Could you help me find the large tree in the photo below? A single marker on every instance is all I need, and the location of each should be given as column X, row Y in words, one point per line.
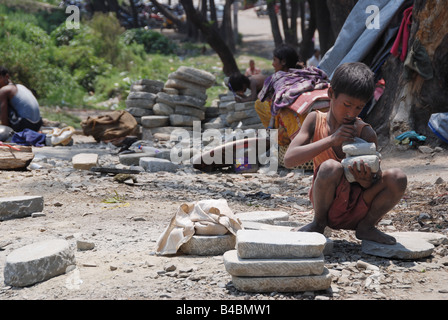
column 410, row 97
column 212, row 36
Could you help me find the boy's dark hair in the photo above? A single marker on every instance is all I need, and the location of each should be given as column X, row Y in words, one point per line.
column 288, row 54
column 354, row 79
column 3, row 71
column 237, row 82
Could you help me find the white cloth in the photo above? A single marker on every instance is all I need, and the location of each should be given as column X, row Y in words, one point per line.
column 205, row 217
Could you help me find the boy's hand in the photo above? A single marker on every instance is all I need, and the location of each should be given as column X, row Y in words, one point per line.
column 345, row 133
column 364, row 175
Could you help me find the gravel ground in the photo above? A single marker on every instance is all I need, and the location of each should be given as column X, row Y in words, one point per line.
column 124, row 221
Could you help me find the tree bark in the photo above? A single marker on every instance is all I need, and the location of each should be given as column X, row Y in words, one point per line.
column 409, row 99
column 278, row 40
column 181, row 26
column 212, row 37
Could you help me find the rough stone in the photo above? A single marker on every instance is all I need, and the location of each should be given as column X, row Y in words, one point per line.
column 155, row 164
column 197, row 76
column 162, row 109
column 359, row 147
column 147, row 85
column 139, row 103
column 283, row 284
column 182, row 84
column 19, row 207
column 272, row 267
column 182, row 120
column 147, row 96
column 155, row 121
column 85, row 161
column 373, row 161
column 38, row 262
column 173, row 100
column 140, row 112
column 133, row 159
column 202, row 245
column 408, row 246
column 252, row 244
column 263, row 216
column 190, row 111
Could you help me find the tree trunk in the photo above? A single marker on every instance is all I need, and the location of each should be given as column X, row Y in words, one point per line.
column 181, row 26
column 278, row 40
column 307, row 44
column 323, row 24
column 134, row 12
column 212, row 37
column 409, row 98
column 226, row 26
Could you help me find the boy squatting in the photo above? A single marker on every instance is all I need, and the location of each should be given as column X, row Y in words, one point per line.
column 337, row 203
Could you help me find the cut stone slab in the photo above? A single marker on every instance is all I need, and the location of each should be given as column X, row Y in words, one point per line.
column 154, row 164
column 263, row 216
column 140, row 103
column 133, row 159
column 19, row 207
column 85, row 161
column 431, row 237
column 182, row 120
column 260, row 244
column 38, row 262
column 140, row 112
column 409, row 246
column 209, row 245
column 283, row 284
column 155, row 121
column 162, row 109
column 272, row 267
column 253, row 225
column 147, row 85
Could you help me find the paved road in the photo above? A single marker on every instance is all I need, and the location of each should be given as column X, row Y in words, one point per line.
column 256, row 31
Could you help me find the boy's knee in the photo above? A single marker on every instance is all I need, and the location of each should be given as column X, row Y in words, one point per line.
column 330, row 169
column 397, row 178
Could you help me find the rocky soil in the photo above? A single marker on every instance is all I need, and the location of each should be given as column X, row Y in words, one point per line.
column 124, row 220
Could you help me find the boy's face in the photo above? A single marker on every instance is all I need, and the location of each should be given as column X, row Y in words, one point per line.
column 345, row 108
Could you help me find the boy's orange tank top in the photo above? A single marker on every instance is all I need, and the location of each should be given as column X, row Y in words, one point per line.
column 321, row 131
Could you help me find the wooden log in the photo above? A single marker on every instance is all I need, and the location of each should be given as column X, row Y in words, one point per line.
column 15, row 157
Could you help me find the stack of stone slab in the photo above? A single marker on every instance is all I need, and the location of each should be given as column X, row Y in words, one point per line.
column 234, row 114
column 184, row 96
column 142, row 98
column 278, row 261
column 243, row 116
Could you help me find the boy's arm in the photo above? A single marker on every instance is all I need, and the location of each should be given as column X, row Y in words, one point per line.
column 301, row 149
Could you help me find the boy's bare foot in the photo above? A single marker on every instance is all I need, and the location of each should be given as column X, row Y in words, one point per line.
column 373, row 234
column 311, row 227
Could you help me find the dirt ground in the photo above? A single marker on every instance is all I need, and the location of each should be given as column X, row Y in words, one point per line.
column 124, row 221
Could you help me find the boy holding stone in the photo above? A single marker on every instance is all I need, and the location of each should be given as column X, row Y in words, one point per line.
column 338, row 203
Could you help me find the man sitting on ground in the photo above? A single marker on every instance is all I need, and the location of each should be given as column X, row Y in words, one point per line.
column 19, row 108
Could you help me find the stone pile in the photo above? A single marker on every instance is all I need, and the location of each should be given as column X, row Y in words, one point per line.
column 184, row 96
column 234, row 114
column 278, row 261
column 142, row 98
